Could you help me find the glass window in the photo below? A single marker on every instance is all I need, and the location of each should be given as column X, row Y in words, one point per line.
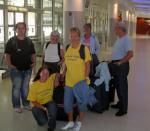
column 2, row 18
column 16, row 2
column 31, row 24
column 31, row 3
column 1, row 34
column 58, row 15
column 10, row 18
column 19, row 17
column 47, row 18
column 1, row 26
column 58, row 3
column 47, row 30
column 1, row 2
column 10, row 32
column 47, row 3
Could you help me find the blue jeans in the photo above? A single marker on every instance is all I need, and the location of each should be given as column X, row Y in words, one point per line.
column 81, row 99
column 20, row 86
column 42, row 118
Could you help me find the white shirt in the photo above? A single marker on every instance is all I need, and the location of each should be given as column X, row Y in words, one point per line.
column 51, row 53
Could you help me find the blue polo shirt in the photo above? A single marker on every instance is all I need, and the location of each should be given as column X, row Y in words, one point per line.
column 121, row 47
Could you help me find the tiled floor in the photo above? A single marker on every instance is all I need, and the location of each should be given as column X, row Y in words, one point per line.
column 137, row 119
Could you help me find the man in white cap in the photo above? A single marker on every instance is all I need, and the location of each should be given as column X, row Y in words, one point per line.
column 121, row 54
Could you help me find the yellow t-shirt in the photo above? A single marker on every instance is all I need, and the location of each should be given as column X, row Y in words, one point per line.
column 75, row 65
column 42, row 92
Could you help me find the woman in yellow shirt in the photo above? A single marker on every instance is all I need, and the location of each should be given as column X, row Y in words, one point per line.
column 77, row 69
column 41, row 96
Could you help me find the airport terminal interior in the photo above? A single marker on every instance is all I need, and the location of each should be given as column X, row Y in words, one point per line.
column 44, row 16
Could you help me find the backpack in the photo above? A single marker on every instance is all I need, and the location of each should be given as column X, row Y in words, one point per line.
column 58, row 45
column 15, row 45
column 81, row 51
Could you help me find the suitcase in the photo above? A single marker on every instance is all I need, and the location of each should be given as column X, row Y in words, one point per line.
column 111, row 91
column 58, row 97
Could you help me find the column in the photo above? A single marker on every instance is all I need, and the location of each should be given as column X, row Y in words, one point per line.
column 72, row 17
column 113, row 17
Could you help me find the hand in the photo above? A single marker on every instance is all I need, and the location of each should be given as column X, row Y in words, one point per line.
column 45, row 109
column 87, row 79
column 118, row 63
column 32, row 65
column 12, row 66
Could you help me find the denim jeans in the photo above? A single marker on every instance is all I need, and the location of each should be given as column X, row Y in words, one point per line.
column 20, row 86
column 42, row 118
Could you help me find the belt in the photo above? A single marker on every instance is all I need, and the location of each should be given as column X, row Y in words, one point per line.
column 113, row 61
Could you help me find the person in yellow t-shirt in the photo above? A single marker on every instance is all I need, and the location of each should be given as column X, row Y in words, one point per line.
column 77, row 69
column 41, row 96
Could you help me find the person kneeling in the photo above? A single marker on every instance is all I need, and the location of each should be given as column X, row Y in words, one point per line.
column 41, row 96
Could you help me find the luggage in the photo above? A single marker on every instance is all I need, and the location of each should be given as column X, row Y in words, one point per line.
column 58, row 97
column 102, row 98
column 111, row 85
column 111, row 91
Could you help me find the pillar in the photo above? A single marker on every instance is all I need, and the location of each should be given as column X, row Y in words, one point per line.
column 72, row 17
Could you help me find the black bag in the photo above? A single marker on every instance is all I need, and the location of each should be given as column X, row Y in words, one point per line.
column 58, row 97
column 111, row 91
column 102, row 98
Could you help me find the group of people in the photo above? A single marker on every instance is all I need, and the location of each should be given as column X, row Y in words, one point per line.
column 78, row 60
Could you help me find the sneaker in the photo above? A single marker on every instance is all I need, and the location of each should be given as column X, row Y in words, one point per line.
column 18, row 110
column 78, row 126
column 68, row 126
column 27, row 108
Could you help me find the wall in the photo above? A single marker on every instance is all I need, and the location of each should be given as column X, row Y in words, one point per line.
column 143, row 26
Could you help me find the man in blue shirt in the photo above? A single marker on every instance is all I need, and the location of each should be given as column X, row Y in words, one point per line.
column 119, row 67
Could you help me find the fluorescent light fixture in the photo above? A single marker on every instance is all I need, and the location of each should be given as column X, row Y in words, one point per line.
column 141, row 1
column 143, row 6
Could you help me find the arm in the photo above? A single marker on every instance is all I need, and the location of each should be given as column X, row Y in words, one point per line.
column 38, row 105
column 64, row 69
column 125, row 58
column 33, row 59
column 8, row 61
column 87, row 72
column 62, row 56
column 87, row 69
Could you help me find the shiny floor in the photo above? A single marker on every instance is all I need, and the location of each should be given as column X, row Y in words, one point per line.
column 137, row 119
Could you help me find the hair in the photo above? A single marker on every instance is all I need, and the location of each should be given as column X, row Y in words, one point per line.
column 20, row 23
column 87, row 25
column 75, row 29
column 55, row 33
column 37, row 76
column 122, row 25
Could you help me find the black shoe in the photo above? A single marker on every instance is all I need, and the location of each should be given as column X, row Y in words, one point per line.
column 116, row 106
column 120, row 113
column 48, row 129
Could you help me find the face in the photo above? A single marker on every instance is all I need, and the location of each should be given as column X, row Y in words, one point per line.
column 74, row 37
column 21, row 30
column 87, row 30
column 44, row 75
column 117, row 30
column 54, row 39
